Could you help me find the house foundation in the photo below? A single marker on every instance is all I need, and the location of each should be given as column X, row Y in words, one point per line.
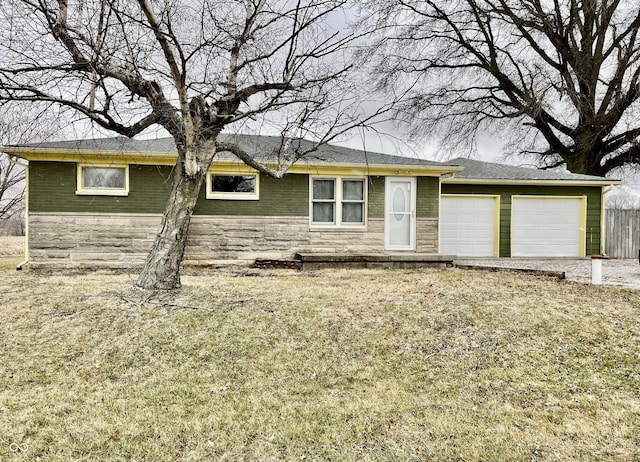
column 75, row 240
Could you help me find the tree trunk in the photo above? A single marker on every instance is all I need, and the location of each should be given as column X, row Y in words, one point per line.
column 586, row 158
column 161, row 270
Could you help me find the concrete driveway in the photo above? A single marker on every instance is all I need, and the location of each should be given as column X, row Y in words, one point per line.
column 622, row 273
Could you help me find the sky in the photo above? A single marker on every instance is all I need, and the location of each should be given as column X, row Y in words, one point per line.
column 487, row 147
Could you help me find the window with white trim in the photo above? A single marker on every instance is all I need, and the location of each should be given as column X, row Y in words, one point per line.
column 338, row 201
column 233, row 186
column 106, row 180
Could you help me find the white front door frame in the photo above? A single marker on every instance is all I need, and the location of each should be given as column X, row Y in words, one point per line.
column 400, row 213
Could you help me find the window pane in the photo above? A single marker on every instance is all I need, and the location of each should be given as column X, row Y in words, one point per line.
column 399, row 204
column 103, row 178
column 233, row 183
column 323, row 212
column 352, row 212
column 323, row 189
column 353, row 190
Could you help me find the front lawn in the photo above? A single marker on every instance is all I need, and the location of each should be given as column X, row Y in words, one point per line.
column 333, row 365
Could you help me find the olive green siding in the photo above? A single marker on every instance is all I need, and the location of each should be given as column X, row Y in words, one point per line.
column 428, row 197
column 592, row 193
column 375, row 197
column 286, row 197
column 52, row 188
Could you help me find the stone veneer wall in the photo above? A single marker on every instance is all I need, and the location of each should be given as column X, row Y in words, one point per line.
column 72, row 240
column 123, row 240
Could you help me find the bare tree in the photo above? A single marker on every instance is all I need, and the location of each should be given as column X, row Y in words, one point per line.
column 560, row 76
column 12, row 177
column 19, row 124
column 192, row 67
column 627, row 195
column 626, row 199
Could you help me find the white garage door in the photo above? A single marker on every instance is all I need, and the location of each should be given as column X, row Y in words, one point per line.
column 468, row 225
column 547, row 227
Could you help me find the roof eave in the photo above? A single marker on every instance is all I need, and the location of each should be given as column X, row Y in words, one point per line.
column 169, row 158
column 376, row 169
column 74, row 155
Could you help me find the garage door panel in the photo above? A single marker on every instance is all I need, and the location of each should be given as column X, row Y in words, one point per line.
column 546, row 227
column 467, row 226
column 486, row 234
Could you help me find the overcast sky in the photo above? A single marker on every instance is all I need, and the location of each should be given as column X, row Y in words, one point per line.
column 488, row 147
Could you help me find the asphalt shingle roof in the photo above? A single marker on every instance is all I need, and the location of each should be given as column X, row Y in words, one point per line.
column 480, row 170
column 263, row 147
column 266, row 147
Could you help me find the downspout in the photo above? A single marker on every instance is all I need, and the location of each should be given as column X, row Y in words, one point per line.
column 603, row 217
column 439, row 213
column 14, row 161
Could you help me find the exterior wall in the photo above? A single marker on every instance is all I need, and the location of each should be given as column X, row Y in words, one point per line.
column 52, row 188
column 592, row 193
column 123, row 240
column 66, row 229
column 71, row 239
column 427, row 235
column 375, row 196
column 428, row 197
column 239, row 238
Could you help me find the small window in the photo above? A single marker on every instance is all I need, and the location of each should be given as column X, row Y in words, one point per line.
column 336, row 201
column 103, row 180
column 236, row 187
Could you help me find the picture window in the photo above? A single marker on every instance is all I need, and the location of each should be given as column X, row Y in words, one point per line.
column 103, row 180
column 232, row 187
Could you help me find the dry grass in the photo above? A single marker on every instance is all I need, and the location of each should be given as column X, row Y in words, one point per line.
column 333, row 365
column 11, row 253
column 11, row 246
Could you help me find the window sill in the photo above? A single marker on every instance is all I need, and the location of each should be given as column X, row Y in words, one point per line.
column 354, row 227
column 101, row 192
column 232, row 197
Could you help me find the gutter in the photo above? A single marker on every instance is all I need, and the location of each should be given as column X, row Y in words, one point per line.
column 14, row 160
column 541, row 182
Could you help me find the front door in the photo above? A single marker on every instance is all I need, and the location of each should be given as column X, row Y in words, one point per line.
column 400, row 214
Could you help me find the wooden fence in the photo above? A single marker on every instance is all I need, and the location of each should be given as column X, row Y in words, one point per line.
column 623, row 233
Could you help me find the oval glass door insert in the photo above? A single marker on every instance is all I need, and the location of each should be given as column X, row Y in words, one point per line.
column 399, row 202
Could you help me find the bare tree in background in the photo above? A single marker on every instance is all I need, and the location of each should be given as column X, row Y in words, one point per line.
column 12, row 179
column 560, row 77
column 192, row 67
column 19, row 124
column 625, row 200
